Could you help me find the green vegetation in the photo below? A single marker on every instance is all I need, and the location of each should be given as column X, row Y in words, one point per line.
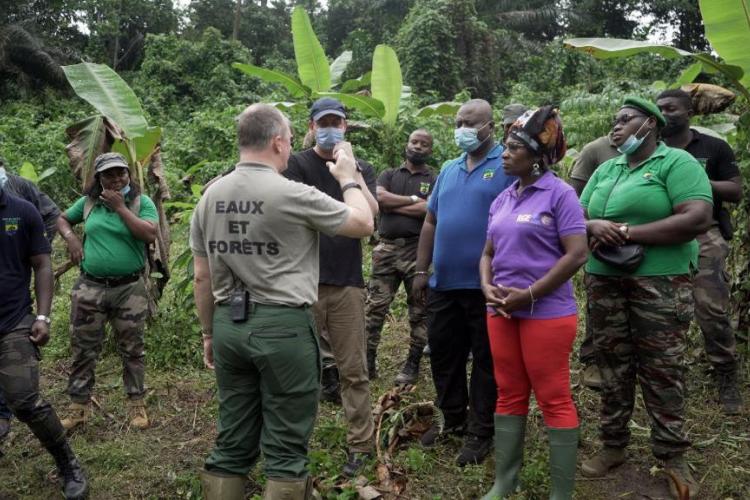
column 398, row 65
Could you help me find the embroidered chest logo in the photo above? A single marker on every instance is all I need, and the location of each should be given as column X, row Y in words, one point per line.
column 546, row 220
column 11, row 225
column 524, row 218
column 488, row 174
column 648, row 176
column 424, row 187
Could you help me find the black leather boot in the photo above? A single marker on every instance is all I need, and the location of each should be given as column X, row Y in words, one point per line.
column 75, row 485
column 410, row 371
column 330, row 389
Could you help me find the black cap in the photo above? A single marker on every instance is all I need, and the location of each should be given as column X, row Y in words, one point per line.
column 326, row 106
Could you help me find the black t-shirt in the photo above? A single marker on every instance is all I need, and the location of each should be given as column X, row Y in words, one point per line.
column 340, row 257
column 27, row 190
column 21, row 237
column 402, row 182
column 717, row 158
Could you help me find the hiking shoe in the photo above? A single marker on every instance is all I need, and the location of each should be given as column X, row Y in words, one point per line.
column 604, row 461
column 137, row 414
column 78, row 414
column 592, row 377
column 729, row 393
column 434, row 434
column 680, row 478
column 474, row 450
column 4, row 427
column 355, row 460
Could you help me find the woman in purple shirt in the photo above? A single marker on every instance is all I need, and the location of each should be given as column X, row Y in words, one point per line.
column 536, row 241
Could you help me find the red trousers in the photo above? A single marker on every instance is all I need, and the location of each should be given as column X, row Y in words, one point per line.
column 534, row 354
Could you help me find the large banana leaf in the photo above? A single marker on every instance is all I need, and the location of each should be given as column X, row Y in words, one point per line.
column 338, row 66
column 355, row 84
column 387, row 81
column 89, row 138
column 312, row 64
column 727, row 25
column 367, row 105
column 605, row 48
column 101, row 87
column 144, row 146
column 292, row 85
column 447, row 108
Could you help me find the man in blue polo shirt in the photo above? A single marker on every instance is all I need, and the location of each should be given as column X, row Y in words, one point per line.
column 23, row 247
column 452, row 239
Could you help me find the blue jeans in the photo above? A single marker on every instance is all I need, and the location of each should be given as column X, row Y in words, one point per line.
column 4, row 410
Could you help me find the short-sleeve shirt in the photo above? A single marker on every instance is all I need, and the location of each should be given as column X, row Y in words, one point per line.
column 24, row 188
column 402, row 181
column 645, row 194
column 717, row 157
column 109, row 247
column 259, row 231
column 340, row 256
column 460, row 203
column 592, row 155
column 526, row 232
column 21, row 237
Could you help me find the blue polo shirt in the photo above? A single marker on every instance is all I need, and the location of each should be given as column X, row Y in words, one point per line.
column 460, row 202
column 21, row 237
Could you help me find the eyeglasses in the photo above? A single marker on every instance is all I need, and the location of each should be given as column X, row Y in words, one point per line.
column 625, row 119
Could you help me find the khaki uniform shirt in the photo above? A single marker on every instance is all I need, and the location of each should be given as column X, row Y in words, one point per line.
column 259, row 231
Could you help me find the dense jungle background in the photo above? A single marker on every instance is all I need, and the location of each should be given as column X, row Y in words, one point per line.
column 178, row 59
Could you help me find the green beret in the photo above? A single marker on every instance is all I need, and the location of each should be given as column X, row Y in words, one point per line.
column 646, row 106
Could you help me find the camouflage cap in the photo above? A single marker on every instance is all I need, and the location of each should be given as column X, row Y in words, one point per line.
column 109, row 160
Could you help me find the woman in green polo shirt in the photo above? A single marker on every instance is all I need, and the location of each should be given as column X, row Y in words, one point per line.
column 659, row 198
column 118, row 222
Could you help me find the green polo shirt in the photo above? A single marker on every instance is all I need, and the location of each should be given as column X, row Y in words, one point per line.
column 644, row 194
column 109, row 248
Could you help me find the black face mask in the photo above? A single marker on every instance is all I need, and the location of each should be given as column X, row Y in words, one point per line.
column 416, row 158
column 674, row 126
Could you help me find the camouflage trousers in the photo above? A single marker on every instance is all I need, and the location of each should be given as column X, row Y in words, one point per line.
column 392, row 265
column 19, row 381
column 711, row 294
column 92, row 306
column 639, row 326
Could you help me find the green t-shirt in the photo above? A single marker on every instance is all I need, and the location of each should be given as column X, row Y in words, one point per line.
column 109, row 248
column 644, row 194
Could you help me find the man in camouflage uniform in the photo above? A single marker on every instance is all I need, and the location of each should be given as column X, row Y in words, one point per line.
column 402, row 194
column 23, row 247
column 712, row 281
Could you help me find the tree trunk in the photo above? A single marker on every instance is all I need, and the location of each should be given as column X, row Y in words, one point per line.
column 236, row 27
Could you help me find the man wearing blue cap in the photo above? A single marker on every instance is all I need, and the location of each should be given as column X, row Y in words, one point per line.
column 339, row 311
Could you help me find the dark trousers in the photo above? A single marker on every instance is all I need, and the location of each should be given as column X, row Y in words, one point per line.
column 19, row 381
column 4, row 410
column 456, row 326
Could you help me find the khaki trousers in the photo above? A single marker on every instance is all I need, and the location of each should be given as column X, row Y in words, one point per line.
column 339, row 315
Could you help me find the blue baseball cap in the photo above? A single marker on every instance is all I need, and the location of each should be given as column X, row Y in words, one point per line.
column 326, row 106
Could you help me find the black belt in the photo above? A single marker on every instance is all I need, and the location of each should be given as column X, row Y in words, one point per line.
column 401, row 242
column 112, row 280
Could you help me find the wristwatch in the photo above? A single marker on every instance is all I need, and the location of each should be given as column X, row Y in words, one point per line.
column 42, row 317
column 350, row 185
column 414, row 198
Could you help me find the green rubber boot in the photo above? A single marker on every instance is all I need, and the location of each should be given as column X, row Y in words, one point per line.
column 563, row 448
column 222, row 486
column 509, row 435
column 288, row 489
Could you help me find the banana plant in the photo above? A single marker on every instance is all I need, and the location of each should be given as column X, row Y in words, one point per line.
column 314, row 74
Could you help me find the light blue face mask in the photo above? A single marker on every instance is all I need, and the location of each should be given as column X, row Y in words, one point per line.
column 326, row 138
column 633, row 142
column 124, row 191
column 467, row 138
column 3, row 177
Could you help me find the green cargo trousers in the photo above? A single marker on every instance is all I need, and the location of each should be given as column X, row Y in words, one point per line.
column 268, row 375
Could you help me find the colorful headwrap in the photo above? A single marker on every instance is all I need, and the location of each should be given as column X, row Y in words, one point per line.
column 541, row 131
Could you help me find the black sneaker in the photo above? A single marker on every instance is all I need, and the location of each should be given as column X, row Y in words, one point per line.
column 474, row 450
column 434, row 434
column 355, row 460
